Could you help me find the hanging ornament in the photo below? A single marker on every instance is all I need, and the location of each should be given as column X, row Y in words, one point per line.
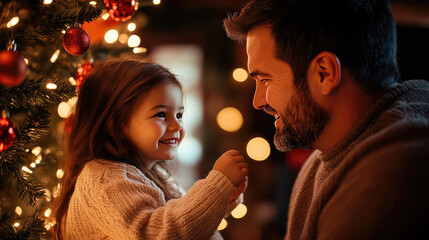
column 82, row 73
column 7, row 132
column 121, row 10
column 76, row 40
column 12, row 66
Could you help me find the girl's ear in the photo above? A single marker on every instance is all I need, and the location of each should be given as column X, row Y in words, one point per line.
column 326, row 70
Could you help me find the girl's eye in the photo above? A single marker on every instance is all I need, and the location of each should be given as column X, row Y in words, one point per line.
column 160, row 114
column 179, row 115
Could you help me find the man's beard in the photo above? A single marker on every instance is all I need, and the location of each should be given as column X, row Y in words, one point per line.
column 303, row 121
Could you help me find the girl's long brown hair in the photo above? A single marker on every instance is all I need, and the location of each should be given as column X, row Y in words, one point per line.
column 105, row 104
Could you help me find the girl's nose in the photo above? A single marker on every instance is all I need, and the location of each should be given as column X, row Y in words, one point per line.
column 175, row 125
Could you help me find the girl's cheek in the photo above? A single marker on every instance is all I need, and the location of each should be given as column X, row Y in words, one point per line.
column 182, row 134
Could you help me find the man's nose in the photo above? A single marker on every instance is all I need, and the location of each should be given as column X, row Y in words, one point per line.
column 259, row 98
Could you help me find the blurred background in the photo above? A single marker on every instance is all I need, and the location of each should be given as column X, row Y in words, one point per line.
column 187, row 37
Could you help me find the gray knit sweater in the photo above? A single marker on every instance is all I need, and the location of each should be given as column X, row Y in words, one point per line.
column 374, row 183
column 115, row 200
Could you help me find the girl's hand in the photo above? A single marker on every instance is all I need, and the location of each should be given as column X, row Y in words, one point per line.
column 233, row 165
column 240, row 189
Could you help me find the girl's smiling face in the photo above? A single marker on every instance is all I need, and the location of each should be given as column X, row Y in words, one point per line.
column 156, row 126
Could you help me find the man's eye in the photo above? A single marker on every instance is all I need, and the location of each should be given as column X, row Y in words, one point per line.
column 264, row 81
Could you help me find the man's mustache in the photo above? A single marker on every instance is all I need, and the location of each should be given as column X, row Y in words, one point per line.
column 268, row 109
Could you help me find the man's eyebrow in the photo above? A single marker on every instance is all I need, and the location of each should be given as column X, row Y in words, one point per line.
column 259, row 73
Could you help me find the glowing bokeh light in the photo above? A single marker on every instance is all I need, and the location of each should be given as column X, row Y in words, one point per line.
column 111, row 36
column 51, row 86
column 239, row 212
column 55, row 56
column 18, row 210
column 48, row 212
column 123, row 38
column 223, row 224
column 258, row 149
column 133, row 41
column 229, row 119
column 60, row 173
column 131, row 27
column 139, row 50
column 63, row 110
column 12, row 22
column 240, row 75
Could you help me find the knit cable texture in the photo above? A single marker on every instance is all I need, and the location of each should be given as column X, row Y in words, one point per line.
column 115, row 200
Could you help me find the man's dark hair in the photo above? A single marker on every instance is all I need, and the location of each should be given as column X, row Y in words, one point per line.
column 360, row 32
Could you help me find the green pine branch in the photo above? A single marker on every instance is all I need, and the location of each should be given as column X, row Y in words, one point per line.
column 33, row 92
column 52, row 27
column 14, row 158
column 32, row 229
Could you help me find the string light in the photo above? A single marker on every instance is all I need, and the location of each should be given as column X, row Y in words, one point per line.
column 32, row 165
column 93, row 3
column 60, row 173
column 55, row 56
column 48, row 195
column 56, row 191
column 156, row 2
column 38, row 159
column 12, row 22
column 18, row 210
column 48, row 212
column 26, row 61
column 47, row 2
column 16, row 224
column 105, row 16
column 26, row 169
column 111, row 36
column 36, row 151
column 51, row 86
column 72, row 81
column 131, row 27
column 63, row 110
column 133, row 41
column 139, row 50
column 258, row 149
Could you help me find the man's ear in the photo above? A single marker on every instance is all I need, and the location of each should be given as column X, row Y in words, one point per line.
column 327, row 70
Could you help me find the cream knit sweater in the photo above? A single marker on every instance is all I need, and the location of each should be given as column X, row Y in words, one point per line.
column 115, row 200
column 373, row 184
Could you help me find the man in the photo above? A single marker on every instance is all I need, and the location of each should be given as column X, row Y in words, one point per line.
column 327, row 72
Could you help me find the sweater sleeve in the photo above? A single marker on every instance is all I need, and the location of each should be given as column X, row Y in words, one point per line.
column 124, row 204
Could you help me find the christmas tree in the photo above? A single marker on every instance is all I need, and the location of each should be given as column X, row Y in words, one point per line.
column 41, row 47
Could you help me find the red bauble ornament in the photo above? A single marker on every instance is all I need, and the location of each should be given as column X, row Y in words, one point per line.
column 76, row 41
column 7, row 132
column 121, row 10
column 12, row 68
column 82, row 73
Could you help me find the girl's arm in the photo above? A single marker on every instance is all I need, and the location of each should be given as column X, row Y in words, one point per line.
column 123, row 204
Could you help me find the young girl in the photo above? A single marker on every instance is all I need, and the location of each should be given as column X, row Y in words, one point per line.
column 128, row 122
